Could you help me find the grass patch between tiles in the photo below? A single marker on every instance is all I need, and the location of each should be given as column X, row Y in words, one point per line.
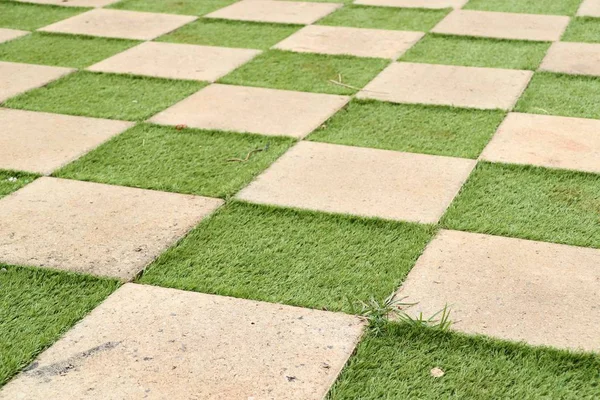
column 185, row 7
column 555, row 7
column 583, row 29
column 29, row 17
column 11, row 181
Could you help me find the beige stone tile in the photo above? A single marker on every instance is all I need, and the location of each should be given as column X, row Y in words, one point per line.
column 94, row 228
column 361, row 181
column 484, row 88
column 10, row 34
column 253, row 110
column 541, row 293
column 547, row 141
column 352, row 41
column 73, row 3
column 16, row 78
column 157, row 343
column 589, row 8
column 177, row 61
column 42, row 142
column 503, row 25
column 286, row 12
column 414, row 3
column 120, row 24
column 573, row 58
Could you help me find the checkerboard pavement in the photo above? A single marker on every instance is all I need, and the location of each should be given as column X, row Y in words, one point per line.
column 496, row 149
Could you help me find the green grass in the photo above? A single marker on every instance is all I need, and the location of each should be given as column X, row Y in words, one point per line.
column 240, row 34
column 37, row 306
column 33, row 16
column 561, row 94
column 11, row 181
column 477, row 52
column 110, row 96
column 183, row 161
column 288, row 256
column 185, row 7
column 557, row 7
column 396, row 365
column 530, row 203
column 65, row 50
column 414, row 128
column 583, row 29
column 406, row 19
column 306, row 72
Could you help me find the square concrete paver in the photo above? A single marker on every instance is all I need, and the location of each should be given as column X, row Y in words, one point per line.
column 352, row 41
column 16, row 78
column 485, row 88
column 573, row 58
column 589, row 8
column 285, row 12
column 73, row 3
column 253, row 110
column 157, row 343
column 541, row 293
column 361, row 181
column 547, row 141
column 10, row 34
column 415, row 3
column 176, row 61
column 94, row 228
column 120, row 24
column 42, row 142
column 503, row 25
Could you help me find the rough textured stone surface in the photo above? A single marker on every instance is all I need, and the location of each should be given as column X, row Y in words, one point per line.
column 541, row 293
column 73, row 3
column 120, row 24
column 589, row 8
column 177, row 61
column 503, row 25
column 547, row 141
column 41, row 142
column 352, row 41
column 573, row 58
column 93, row 228
column 253, row 110
column 287, row 12
column 485, row 88
column 10, row 34
column 16, row 78
column 361, row 181
column 156, row 343
column 415, row 3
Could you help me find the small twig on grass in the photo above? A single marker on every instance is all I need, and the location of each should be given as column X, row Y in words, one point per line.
column 249, row 154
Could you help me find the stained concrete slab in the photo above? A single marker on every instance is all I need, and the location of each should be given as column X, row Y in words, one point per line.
column 94, row 228
column 484, row 88
column 436, row 4
column 351, row 41
column 176, row 61
column 156, row 343
column 540, row 293
column 253, row 110
column 573, row 58
column 361, row 181
column 285, row 12
column 16, row 78
column 10, row 34
column 589, row 8
column 73, row 3
column 120, row 24
column 547, row 141
column 503, row 25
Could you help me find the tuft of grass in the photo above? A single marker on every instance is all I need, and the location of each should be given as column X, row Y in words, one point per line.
column 239, row 34
column 529, row 202
column 306, row 72
column 477, row 52
column 112, row 96
column 183, row 161
column 29, row 17
column 289, row 256
column 37, row 306
column 185, row 7
column 405, row 19
column 583, row 29
column 555, row 7
column 561, row 94
column 11, row 181
column 396, row 364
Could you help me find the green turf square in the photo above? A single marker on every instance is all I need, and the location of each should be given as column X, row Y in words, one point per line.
column 240, row 34
column 561, row 94
column 11, row 181
column 183, row 161
column 406, row 19
column 295, row 257
column 477, row 52
column 37, row 306
column 66, row 50
column 396, row 364
column 33, row 16
column 414, row 128
column 185, row 7
column 529, row 202
column 583, row 29
column 306, row 72
column 111, row 96
column 555, row 7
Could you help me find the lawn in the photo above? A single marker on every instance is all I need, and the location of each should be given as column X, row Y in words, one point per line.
column 557, row 7
column 11, row 181
column 33, row 16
